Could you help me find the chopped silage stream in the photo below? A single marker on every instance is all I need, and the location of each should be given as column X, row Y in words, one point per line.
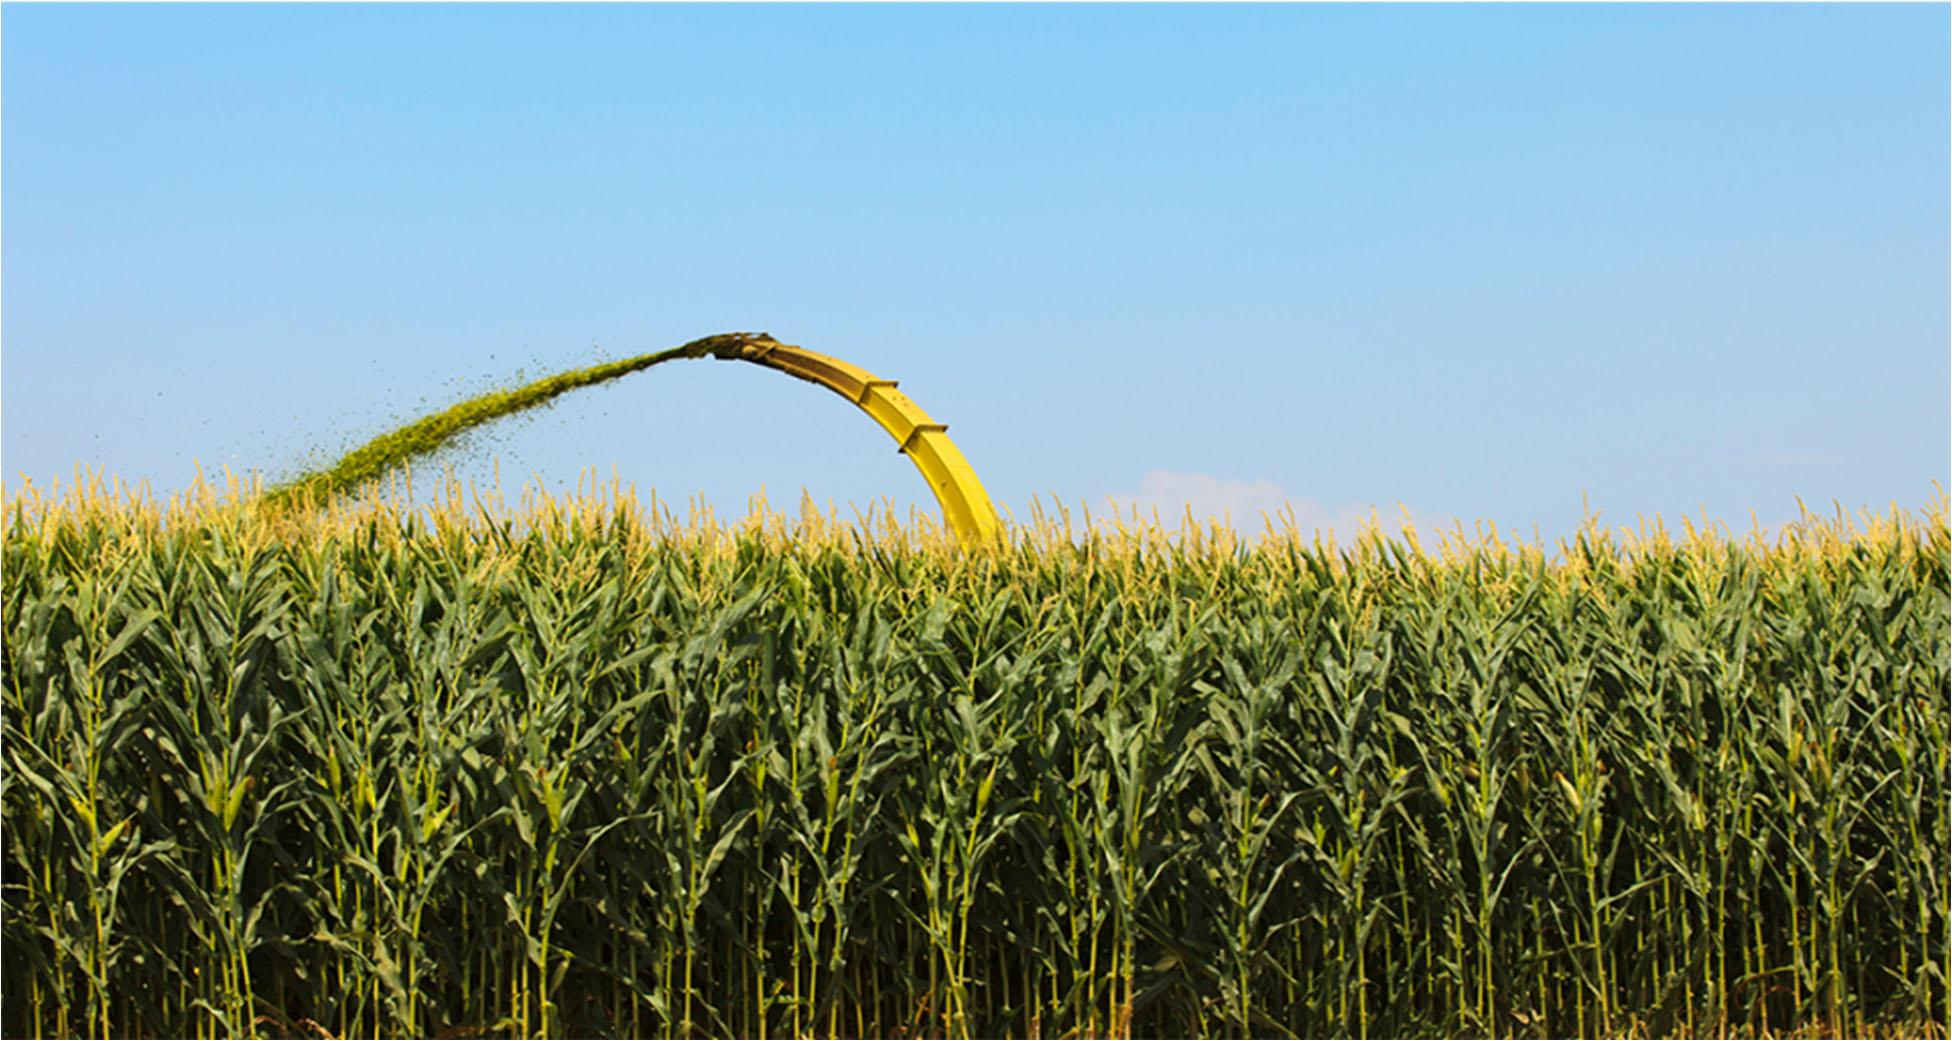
column 428, row 434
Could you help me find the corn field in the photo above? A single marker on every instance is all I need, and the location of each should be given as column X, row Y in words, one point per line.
column 577, row 768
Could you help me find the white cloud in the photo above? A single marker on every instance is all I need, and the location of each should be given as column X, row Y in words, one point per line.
column 1248, row 505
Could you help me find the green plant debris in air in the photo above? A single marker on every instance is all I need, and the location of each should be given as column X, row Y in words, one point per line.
column 427, row 434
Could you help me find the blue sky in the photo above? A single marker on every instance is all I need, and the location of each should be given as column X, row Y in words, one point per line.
column 1485, row 262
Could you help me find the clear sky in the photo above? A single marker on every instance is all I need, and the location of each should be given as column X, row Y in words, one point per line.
column 1482, row 261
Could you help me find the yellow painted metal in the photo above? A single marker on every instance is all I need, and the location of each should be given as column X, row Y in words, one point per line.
column 965, row 505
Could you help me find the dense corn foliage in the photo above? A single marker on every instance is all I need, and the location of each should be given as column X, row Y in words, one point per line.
column 575, row 769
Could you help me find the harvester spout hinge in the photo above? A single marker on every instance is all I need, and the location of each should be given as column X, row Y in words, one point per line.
column 732, row 346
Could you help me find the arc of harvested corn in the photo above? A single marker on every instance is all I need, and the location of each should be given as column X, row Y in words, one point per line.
column 965, row 505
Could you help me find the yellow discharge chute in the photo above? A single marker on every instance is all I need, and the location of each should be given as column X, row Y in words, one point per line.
column 965, row 505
